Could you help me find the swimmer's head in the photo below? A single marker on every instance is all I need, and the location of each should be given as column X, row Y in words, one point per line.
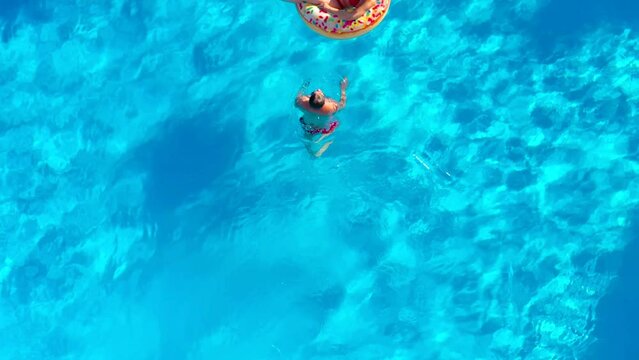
column 317, row 99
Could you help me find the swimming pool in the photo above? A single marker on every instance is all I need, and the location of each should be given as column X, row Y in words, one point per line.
column 479, row 200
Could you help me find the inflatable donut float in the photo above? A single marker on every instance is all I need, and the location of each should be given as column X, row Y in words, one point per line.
column 331, row 26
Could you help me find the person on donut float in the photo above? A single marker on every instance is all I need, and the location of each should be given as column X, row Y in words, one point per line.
column 342, row 19
column 344, row 9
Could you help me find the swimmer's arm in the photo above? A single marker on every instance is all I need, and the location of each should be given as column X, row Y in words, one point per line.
column 300, row 100
column 342, row 99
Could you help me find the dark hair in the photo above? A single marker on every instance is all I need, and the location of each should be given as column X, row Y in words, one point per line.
column 316, row 100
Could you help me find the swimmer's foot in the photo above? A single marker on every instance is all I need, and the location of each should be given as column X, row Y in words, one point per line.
column 322, row 149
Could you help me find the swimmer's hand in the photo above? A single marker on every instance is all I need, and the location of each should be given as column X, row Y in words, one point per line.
column 344, row 83
column 303, row 88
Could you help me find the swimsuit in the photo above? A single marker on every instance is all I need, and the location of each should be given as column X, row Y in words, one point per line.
column 345, row 4
column 312, row 130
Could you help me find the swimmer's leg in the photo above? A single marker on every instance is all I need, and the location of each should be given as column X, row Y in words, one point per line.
column 308, row 143
column 322, row 137
column 323, row 149
column 312, row 145
column 309, row 147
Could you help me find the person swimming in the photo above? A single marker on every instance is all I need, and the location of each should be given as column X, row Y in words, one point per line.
column 317, row 118
column 344, row 9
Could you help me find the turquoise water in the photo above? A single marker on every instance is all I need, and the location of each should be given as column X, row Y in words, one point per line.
column 480, row 200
